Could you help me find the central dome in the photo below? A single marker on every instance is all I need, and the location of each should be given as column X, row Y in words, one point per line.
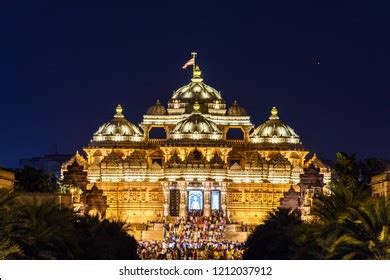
column 196, row 126
column 274, row 131
column 184, row 98
column 196, row 90
column 119, row 129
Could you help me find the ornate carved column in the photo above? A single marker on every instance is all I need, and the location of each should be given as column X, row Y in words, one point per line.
column 166, row 199
column 223, row 198
column 207, row 204
column 224, row 132
column 167, row 131
column 246, row 134
column 146, row 129
column 183, row 199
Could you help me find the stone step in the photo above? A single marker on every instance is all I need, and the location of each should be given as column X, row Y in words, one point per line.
column 149, row 235
column 230, row 227
column 158, row 226
column 239, row 236
column 233, row 233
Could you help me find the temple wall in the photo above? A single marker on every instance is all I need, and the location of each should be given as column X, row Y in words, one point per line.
column 142, row 202
column 250, row 203
column 133, row 202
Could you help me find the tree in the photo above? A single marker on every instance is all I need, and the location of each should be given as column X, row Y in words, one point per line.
column 275, row 239
column 104, row 239
column 350, row 189
column 8, row 249
column 43, row 230
column 30, row 179
column 306, row 245
column 32, row 229
column 365, row 232
column 354, row 174
column 329, row 211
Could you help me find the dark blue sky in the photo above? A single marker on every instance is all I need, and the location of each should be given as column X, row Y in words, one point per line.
column 65, row 65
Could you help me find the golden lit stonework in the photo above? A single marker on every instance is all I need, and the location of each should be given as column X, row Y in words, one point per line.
column 195, row 163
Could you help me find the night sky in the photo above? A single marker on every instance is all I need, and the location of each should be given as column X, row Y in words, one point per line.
column 65, row 65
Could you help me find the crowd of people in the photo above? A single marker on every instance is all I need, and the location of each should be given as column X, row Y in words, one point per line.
column 195, row 227
column 195, row 237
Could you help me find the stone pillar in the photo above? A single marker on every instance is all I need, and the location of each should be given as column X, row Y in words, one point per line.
column 246, row 134
column 167, row 132
column 146, row 129
column 166, row 199
column 183, row 199
column 207, row 201
column 224, row 199
column 224, row 132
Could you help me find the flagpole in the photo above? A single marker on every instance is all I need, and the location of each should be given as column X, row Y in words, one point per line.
column 193, row 65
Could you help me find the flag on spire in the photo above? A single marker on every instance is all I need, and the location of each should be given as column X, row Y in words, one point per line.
column 189, row 63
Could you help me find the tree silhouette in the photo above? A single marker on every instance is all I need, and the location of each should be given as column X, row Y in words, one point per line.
column 43, row 230
column 30, row 179
column 365, row 232
column 275, row 239
column 104, row 239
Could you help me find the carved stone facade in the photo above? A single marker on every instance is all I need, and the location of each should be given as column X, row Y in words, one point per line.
column 195, row 167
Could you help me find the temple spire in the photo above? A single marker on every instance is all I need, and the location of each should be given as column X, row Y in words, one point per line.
column 194, row 54
column 119, row 111
column 196, row 72
column 274, row 114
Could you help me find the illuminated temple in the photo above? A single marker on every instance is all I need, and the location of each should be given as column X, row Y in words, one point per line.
column 208, row 156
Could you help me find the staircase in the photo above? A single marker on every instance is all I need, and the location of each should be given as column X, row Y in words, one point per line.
column 232, row 233
column 154, row 232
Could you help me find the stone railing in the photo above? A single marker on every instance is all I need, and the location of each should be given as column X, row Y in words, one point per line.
column 157, row 141
column 235, row 141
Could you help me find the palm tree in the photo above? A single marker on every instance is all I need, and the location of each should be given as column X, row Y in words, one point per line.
column 275, row 239
column 124, row 246
column 7, row 248
column 104, row 239
column 329, row 211
column 30, row 179
column 94, row 245
column 43, row 230
column 365, row 232
column 348, row 190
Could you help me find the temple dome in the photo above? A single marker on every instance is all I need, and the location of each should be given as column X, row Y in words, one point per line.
column 236, row 110
column 156, row 109
column 274, row 131
column 119, row 129
column 196, row 126
column 196, row 90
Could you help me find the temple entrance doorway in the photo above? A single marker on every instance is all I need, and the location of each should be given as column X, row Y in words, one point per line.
column 195, row 201
column 215, row 200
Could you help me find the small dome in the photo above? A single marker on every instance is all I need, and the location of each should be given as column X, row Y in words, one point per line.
column 274, row 131
column 119, row 129
column 156, row 109
column 196, row 126
column 236, row 110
